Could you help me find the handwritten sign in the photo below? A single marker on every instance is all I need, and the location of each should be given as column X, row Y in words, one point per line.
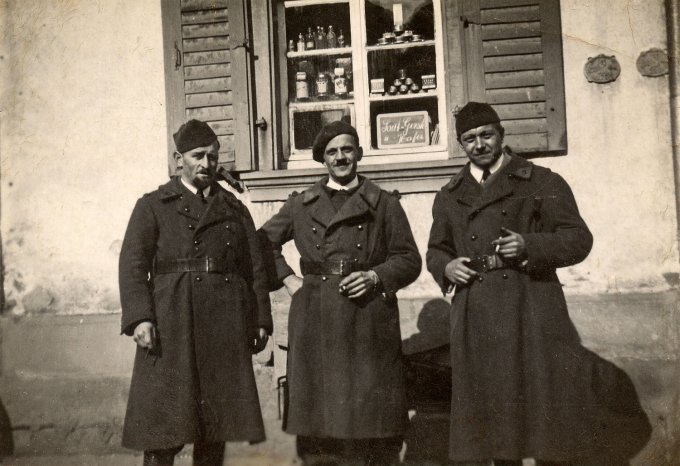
column 407, row 129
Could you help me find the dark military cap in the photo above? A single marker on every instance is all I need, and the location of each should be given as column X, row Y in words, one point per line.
column 475, row 114
column 193, row 134
column 328, row 132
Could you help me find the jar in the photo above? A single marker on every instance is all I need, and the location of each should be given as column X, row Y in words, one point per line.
column 322, row 85
column 301, row 86
column 340, row 82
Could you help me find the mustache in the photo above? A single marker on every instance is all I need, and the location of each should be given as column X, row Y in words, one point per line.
column 341, row 163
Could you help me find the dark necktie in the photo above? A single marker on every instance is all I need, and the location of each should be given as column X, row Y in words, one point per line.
column 200, row 195
column 485, row 175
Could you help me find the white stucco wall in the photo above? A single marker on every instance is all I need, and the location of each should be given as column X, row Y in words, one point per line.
column 82, row 135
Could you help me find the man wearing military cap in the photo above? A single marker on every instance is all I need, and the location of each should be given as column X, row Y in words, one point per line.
column 522, row 382
column 195, row 299
column 347, row 400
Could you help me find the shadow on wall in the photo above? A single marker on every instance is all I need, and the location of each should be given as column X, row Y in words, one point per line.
column 6, row 440
column 623, row 426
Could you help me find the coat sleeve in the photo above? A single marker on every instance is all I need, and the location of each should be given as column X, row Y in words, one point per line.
column 440, row 247
column 135, row 265
column 257, row 273
column 560, row 237
column 276, row 232
column 403, row 263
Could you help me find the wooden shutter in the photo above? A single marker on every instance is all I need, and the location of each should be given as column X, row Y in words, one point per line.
column 208, row 74
column 513, row 61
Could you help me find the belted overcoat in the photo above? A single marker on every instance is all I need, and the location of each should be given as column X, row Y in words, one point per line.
column 199, row 384
column 345, row 372
column 522, row 383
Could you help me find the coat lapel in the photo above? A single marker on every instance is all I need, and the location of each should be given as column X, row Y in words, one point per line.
column 219, row 209
column 320, row 207
column 174, row 189
column 502, row 186
column 359, row 204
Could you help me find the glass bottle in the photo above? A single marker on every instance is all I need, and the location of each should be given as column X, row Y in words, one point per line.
column 320, row 38
column 301, row 43
column 331, row 39
column 340, row 82
column 341, row 39
column 322, row 86
column 309, row 44
column 291, row 45
column 301, row 86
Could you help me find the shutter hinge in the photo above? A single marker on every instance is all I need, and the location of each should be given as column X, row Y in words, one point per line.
column 261, row 123
column 467, row 21
column 245, row 43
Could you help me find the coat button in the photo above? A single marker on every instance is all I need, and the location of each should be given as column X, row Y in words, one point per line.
column 504, row 212
column 317, row 246
column 314, row 229
column 198, row 279
column 360, row 227
column 480, row 278
column 473, row 237
column 186, row 209
column 324, row 278
column 228, row 243
column 505, row 276
column 197, row 241
column 191, row 227
column 227, row 227
column 358, row 245
column 226, row 279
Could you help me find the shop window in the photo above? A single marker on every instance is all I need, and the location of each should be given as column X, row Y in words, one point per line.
column 268, row 74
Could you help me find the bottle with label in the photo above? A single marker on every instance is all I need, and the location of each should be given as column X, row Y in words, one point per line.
column 291, row 45
column 341, row 39
column 301, row 43
column 320, row 38
column 301, row 86
column 340, row 83
column 322, row 86
column 309, row 40
column 331, row 39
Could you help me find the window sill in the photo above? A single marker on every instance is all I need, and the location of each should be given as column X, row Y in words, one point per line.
column 407, row 178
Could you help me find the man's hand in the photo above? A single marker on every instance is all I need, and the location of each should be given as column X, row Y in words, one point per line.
column 260, row 339
column 511, row 245
column 358, row 283
column 292, row 284
column 457, row 272
column 145, row 334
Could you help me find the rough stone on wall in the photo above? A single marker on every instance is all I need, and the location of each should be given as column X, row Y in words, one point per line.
column 38, row 300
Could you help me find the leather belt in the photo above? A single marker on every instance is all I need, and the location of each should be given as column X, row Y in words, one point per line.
column 203, row 264
column 486, row 263
column 338, row 267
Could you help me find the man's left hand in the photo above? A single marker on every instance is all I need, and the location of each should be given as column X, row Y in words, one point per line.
column 511, row 245
column 260, row 339
column 358, row 283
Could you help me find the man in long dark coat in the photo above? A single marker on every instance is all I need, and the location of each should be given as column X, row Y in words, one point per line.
column 347, row 399
column 521, row 380
column 195, row 299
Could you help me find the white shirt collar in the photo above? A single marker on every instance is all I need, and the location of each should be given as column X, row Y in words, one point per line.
column 477, row 172
column 339, row 187
column 193, row 188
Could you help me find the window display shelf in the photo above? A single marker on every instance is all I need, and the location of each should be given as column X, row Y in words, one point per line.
column 405, row 45
column 303, row 3
column 320, row 104
column 419, row 95
column 321, row 52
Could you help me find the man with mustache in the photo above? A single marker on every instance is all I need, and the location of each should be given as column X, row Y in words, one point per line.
column 522, row 383
column 347, row 400
column 195, row 299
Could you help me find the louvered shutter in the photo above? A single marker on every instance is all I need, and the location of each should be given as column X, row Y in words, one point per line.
column 208, row 74
column 513, row 52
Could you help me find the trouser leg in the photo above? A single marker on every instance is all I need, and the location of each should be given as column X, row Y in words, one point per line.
column 208, row 454
column 164, row 457
column 383, row 451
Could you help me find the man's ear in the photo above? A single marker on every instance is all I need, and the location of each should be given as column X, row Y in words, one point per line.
column 360, row 153
column 178, row 159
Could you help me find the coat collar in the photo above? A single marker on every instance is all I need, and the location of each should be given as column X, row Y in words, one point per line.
column 363, row 200
column 517, row 167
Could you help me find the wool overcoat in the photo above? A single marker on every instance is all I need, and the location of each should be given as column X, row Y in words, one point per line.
column 345, row 372
column 199, row 383
column 522, row 384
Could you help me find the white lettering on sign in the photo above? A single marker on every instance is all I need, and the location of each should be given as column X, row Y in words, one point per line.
column 409, row 129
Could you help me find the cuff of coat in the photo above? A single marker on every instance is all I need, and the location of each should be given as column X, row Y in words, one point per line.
column 437, row 267
column 129, row 329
